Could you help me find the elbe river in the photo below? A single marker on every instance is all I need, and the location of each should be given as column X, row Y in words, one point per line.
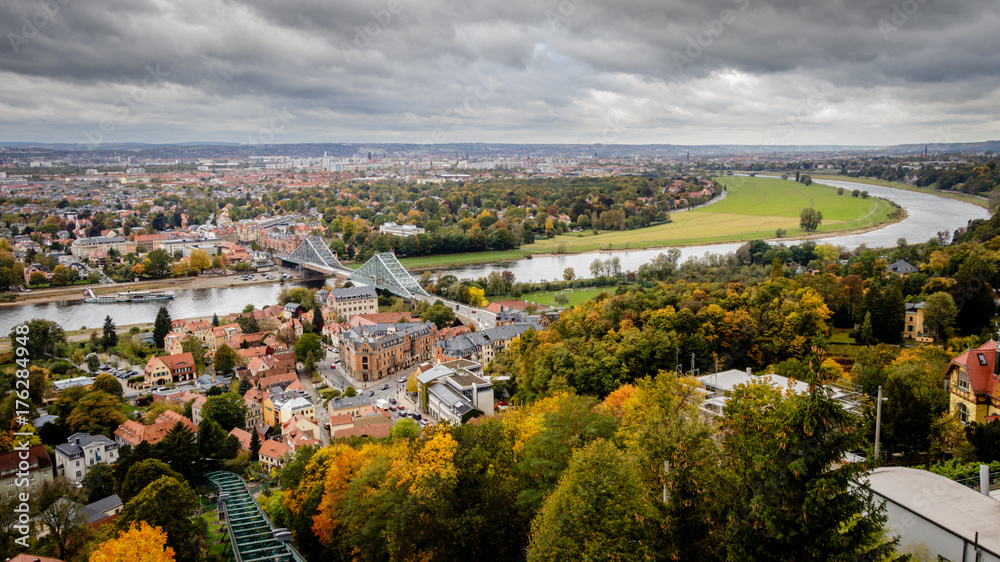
column 927, row 215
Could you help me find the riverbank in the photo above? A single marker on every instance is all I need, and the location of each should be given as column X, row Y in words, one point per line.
column 974, row 199
column 78, row 292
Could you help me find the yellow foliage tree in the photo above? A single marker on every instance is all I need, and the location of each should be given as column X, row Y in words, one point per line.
column 477, row 296
column 200, row 260
column 139, row 544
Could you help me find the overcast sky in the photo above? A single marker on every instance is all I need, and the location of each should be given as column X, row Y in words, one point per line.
column 868, row 72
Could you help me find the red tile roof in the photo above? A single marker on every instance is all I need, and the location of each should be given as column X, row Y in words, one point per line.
column 980, row 364
column 378, row 431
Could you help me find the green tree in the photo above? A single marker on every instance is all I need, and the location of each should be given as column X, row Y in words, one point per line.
column 867, row 335
column 60, row 275
column 916, row 401
column 211, row 440
column 940, row 313
column 442, row 316
column 227, row 409
column 810, row 219
column 179, row 450
column 225, row 359
column 244, row 387
column 157, row 264
column 110, row 339
column 793, row 497
column 193, row 345
column 254, row 445
column 107, row 383
column 161, row 326
column 597, row 511
column 309, row 343
column 99, row 482
column 41, row 338
column 215, row 320
column 142, row 474
column 168, row 503
column 350, row 392
column 405, row 428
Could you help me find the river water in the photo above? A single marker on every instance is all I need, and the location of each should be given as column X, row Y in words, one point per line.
column 927, row 214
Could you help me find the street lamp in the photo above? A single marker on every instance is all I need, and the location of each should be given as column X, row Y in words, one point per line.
column 878, row 421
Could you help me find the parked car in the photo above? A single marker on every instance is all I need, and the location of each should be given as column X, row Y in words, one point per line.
column 403, row 380
column 416, row 416
column 400, row 407
column 392, row 401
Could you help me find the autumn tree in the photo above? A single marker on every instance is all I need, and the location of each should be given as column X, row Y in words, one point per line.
column 60, row 510
column 199, row 260
column 140, row 543
column 597, row 511
column 97, row 413
column 193, row 345
column 107, row 383
column 167, row 503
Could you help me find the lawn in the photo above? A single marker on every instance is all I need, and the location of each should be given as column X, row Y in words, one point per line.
column 576, row 296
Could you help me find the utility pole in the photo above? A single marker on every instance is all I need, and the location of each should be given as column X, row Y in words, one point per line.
column 878, row 423
column 692, row 361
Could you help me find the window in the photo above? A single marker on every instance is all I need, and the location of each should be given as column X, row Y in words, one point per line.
column 77, row 473
column 963, row 413
column 982, row 358
column 963, row 380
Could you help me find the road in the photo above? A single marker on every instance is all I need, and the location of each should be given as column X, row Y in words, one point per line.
column 483, row 318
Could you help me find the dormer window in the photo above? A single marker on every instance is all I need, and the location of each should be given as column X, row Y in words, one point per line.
column 982, row 358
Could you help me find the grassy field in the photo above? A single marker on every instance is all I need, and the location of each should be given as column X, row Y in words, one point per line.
column 576, row 296
column 981, row 201
column 753, row 208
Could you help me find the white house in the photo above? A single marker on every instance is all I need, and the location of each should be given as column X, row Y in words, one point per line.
column 455, row 395
column 82, row 451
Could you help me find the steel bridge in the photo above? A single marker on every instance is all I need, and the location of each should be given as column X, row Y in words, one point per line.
column 382, row 271
column 251, row 535
column 385, row 272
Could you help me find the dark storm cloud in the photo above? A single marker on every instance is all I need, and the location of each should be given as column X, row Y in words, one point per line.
column 514, row 70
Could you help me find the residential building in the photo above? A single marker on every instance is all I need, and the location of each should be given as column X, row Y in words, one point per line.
column 937, row 514
column 36, row 268
column 354, row 406
column 454, row 395
column 295, row 405
column 254, row 399
column 378, row 431
column 351, row 301
column 62, row 385
column 272, row 454
column 132, row 432
column 222, row 335
column 972, row 380
column 99, row 246
column 718, row 387
column 15, row 479
column 370, row 353
column 481, row 346
column 81, row 452
column 901, row 267
column 400, row 229
column 914, row 323
column 170, row 369
column 102, row 511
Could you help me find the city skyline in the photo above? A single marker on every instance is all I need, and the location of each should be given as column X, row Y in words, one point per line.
column 575, row 71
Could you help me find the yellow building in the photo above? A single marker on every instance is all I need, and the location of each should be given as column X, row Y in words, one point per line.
column 972, row 383
column 914, row 323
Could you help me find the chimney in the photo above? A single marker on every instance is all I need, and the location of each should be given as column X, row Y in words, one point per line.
column 749, row 372
column 996, row 359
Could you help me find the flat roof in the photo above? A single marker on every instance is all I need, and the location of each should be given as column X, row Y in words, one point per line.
column 961, row 510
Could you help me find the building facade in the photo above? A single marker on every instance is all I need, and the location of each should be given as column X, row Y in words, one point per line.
column 972, row 383
column 81, row 452
column 371, row 353
column 351, row 301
